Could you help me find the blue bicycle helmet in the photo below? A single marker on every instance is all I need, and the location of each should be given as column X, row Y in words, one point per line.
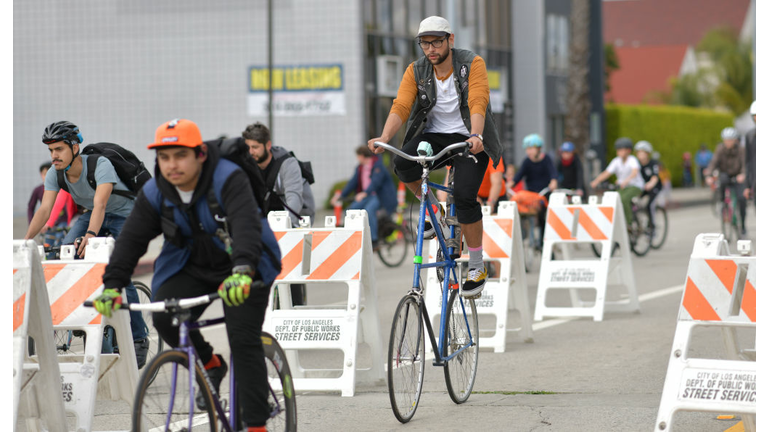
column 532, row 140
column 567, row 147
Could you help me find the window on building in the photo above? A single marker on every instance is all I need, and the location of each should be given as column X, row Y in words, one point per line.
column 557, row 44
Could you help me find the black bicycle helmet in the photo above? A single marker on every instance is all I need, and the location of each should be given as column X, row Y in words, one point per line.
column 623, row 143
column 62, row 131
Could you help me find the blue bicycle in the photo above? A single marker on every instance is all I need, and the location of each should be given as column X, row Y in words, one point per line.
column 456, row 348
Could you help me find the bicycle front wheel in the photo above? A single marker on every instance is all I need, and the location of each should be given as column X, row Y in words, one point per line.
column 394, row 247
column 661, row 228
column 165, row 398
column 405, row 360
column 282, row 397
column 460, row 339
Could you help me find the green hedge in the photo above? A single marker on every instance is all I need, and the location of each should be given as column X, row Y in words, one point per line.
column 672, row 130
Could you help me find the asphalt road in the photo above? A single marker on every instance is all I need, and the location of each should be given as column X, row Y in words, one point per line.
column 577, row 374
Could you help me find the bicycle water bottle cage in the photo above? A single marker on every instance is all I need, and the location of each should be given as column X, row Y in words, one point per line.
column 424, row 149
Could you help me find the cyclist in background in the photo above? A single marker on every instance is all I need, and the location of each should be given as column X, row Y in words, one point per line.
column 444, row 98
column 750, row 151
column 373, row 189
column 649, row 169
column 729, row 164
column 626, row 168
column 570, row 169
column 195, row 261
column 105, row 212
column 539, row 173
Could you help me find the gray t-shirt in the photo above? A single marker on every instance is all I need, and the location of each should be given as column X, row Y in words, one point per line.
column 82, row 192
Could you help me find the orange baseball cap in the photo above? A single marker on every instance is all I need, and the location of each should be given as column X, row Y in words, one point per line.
column 177, row 132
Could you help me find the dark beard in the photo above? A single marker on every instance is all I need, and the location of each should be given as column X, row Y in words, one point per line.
column 263, row 157
column 440, row 59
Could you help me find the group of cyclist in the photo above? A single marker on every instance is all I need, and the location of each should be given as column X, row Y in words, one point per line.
column 443, row 98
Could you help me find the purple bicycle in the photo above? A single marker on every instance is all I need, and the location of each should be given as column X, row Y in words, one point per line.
column 165, row 395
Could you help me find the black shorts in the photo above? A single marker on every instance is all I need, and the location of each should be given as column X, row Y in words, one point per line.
column 468, row 175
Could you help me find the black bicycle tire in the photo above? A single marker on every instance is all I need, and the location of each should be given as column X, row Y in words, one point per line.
column 402, row 242
column 141, row 286
column 643, row 232
column 275, row 354
column 420, row 350
column 170, row 356
column 456, row 397
column 660, row 212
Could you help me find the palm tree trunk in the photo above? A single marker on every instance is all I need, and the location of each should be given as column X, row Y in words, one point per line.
column 577, row 117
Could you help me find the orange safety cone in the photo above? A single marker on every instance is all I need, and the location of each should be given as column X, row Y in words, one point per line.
column 401, row 194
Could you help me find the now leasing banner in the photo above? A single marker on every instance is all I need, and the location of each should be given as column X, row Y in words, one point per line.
column 316, row 90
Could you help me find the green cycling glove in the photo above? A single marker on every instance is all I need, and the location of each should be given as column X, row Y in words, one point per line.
column 109, row 300
column 235, row 289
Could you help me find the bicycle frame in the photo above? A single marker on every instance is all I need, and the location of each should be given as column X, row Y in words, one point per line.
column 449, row 265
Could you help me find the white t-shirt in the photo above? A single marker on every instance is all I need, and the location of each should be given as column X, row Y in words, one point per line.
column 622, row 170
column 445, row 116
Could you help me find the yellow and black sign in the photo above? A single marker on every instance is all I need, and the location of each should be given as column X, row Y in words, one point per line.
column 494, row 79
column 297, row 78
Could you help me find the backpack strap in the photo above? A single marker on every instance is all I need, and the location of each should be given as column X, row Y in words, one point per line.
column 60, row 181
column 221, row 219
column 270, row 182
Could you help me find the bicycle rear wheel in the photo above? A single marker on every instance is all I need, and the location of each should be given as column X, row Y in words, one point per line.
column 405, row 359
column 393, row 248
column 460, row 371
column 640, row 235
column 164, row 397
column 282, row 398
column 661, row 228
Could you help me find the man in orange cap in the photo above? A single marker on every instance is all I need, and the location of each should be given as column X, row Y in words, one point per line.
column 197, row 256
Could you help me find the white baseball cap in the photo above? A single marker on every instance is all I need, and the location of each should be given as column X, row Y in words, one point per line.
column 434, row 26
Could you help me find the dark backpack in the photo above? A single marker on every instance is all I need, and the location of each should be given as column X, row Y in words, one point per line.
column 306, row 170
column 306, row 174
column 128, row 167
column 236, row 150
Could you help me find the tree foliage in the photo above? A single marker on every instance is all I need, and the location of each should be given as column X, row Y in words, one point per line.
column 726, row 83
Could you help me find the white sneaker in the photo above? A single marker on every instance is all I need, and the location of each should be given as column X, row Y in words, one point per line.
column 429, row 230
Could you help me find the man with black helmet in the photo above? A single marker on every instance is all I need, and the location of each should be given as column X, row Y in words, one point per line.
column 627, row 170
column 104, row 212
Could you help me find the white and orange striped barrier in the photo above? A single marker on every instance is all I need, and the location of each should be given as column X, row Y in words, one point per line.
column 720, row 292
column 89, row 375
column 36, row 389
column 574, row 223
column 506, row 288
column 317, row 256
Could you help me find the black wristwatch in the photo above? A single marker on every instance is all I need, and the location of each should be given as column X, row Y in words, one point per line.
column 477, row 135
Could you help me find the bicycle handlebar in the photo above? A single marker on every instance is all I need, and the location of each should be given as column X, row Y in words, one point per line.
column 423, row 159
column 174, row 304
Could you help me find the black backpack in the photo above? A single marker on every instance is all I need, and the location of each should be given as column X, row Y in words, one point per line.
column 306, row 174
column 306, row 170
column 236, row 150
column 128, row 167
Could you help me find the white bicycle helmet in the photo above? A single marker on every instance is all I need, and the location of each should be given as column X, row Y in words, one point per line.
column 753, row 108
column 644, row 146
column 729, row 133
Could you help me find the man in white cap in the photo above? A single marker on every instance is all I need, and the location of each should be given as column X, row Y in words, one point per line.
column 443, row 99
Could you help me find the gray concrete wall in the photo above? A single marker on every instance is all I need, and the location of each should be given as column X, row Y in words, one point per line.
column 119, row 69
